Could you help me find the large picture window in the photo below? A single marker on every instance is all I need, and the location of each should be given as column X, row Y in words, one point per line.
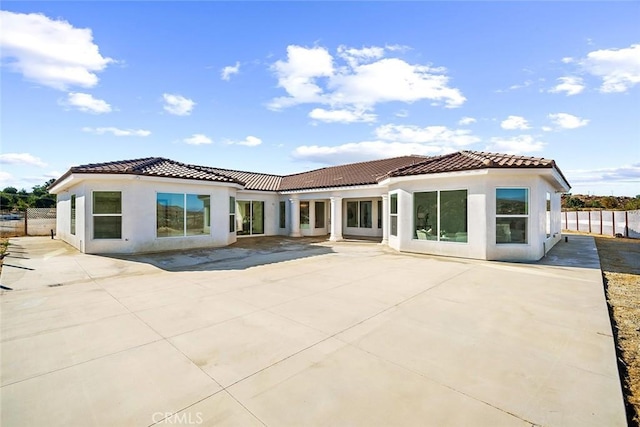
column 107, row 215
column 441, row 216
column 393, row 214
column 179, row 215
column 249, row 217
column 73, row 214
column 359, row 214
column 512, row 215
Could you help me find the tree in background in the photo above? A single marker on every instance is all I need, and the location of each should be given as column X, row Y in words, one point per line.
column 610, row 202
column 12, row 199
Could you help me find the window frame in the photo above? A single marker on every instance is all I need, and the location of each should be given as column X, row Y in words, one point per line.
column 95, row 215
column 440, row 234
column 185, row 218
column 316, row 205
column 282, row 214
column 548, row 215
column 526, row 217
column 73, row 218
column 359, row 213
column 305, row 214
column 393, row 214
column 232, row 214
column 250, row 224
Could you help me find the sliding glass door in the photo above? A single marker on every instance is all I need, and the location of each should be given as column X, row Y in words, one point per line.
column 250, row 217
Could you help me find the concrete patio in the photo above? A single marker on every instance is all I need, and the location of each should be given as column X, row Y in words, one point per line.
column 304, row 332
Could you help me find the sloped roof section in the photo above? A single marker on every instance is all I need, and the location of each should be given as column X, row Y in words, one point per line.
column 470, row 160
column 251, row 180
column 354, row 174
column 151, row 166
column 362, row 173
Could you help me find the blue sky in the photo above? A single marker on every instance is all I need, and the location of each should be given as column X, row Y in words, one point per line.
column 283, row 87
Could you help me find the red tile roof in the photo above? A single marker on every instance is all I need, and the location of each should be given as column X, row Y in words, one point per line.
column 362, row 173
column 151, row 166
column 251, row 180
column 470, row 160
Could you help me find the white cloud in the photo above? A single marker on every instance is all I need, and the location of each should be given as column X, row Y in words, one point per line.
column 570, row 85
column 50, row 52
column 23, row 159
column 466, row 121
column 520, row 86
column 117, row 132
column 87, row 103
column 390, row 140
column 249, row 141
column 516, row 145
column 354, row 57
column 402, row 113
column 567, row 121
column 297, row 75
column 625, row 173
column 197, row 139
column 433, row 135
column 514, row 122
column 229, row 70
column 618, row 68
column 547, row 128
column 358, row 79
column 341, row 116
column 567, row 60
column 178, row 104
column 362, row 151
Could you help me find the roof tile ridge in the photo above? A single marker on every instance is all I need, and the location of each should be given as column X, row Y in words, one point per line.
column 356, row 164
column 148, row 161
column 480, row 156
column 92, row 165
column 239, row 171
column 209, row 169
column 423, row 160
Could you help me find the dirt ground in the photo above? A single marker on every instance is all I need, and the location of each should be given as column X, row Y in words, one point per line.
column 620, row 262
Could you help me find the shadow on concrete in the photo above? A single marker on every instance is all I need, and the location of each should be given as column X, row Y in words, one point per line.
column 573, row 251
column 246, row 253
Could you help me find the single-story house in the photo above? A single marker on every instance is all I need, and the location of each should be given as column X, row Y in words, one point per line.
column 465, row 204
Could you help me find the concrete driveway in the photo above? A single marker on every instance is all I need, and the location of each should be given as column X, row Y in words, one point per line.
column 305, row 333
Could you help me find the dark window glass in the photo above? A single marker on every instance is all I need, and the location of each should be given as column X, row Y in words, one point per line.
column 319, row 210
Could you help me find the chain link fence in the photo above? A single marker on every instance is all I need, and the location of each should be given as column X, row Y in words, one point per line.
column 33, row 222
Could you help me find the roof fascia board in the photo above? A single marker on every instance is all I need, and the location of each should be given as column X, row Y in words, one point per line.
column 67, row 182
column 551, row 174
column 75, row 178
column 439, row 175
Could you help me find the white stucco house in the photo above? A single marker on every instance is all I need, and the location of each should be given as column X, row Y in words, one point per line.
column 466, row 204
